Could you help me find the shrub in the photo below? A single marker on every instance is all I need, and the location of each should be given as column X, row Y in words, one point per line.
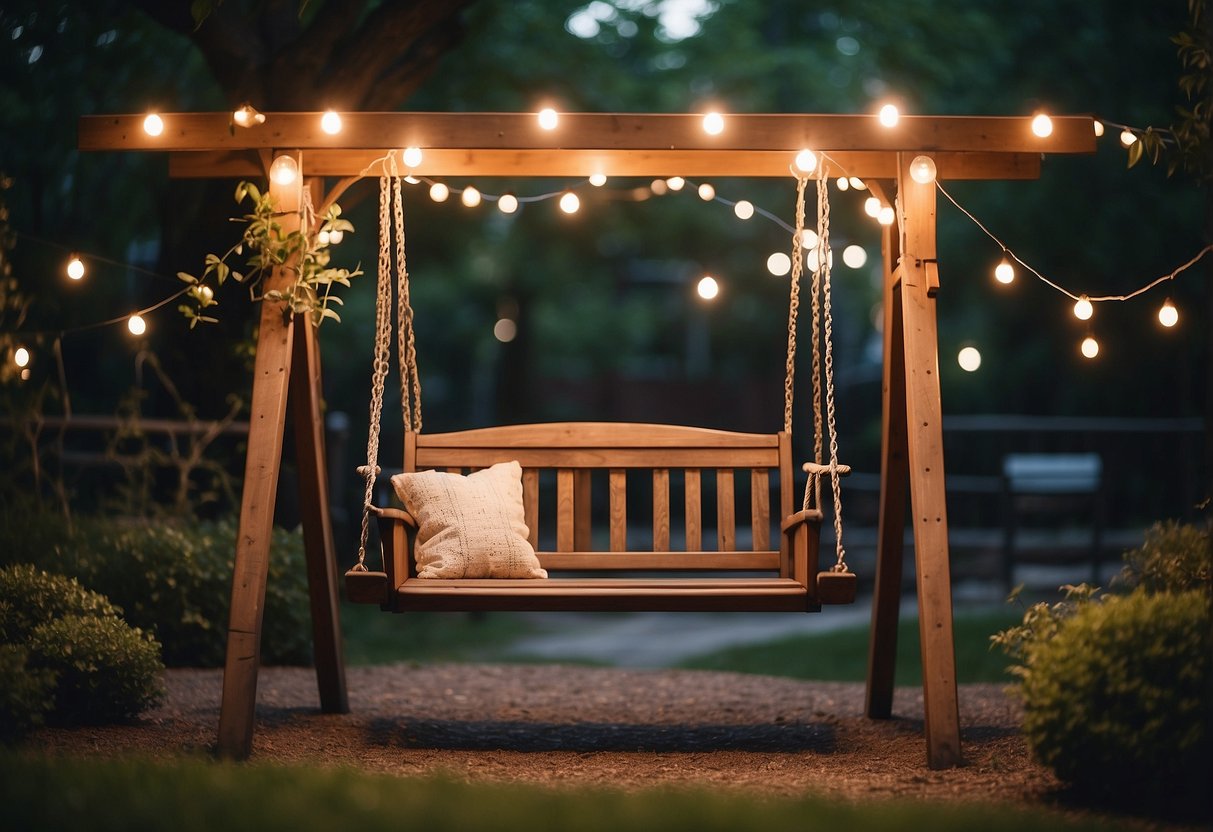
column 1116, row 702
column 1173, row 558
column 174, row 578
column 68, row 645
column 106, row 671
column 26, row 694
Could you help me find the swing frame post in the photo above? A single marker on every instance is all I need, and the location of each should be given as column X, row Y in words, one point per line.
column 620, row 145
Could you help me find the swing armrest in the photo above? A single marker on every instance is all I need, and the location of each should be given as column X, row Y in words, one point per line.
column 807, row 515
column 389, row 513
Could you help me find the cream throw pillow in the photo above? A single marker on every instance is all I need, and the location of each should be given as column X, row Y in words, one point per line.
column 469, row 527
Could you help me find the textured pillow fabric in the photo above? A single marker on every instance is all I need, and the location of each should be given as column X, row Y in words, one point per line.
column 469, row 527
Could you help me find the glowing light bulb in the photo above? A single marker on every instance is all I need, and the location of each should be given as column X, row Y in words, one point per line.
column 205, row 293
column 413, row 156
column 1083, row 310
column 1004, row 272
column 548, row 119
column 569, row 203
column 1098, row 125
column 779, row 264
column 507, row 204
column 136, row 325
column 713, row 124
column 922, row 170
column 439, row 192
column 744, row 209
column 1127, row 137
column 470, row 197
column 1042, row 125
column 1090, row 347
column 330, row 122
column 813, row 259
column 871, row 207
column 969, row 359
column 153, row 125
column 324, row 238
column 886, row 216
column 658, row 187
column 598, row 179
column 1168, row 315
column 676, row 183
column 706, row 192
column 336, row 236
column 75, row 267
column 842, row 184
column 707, row 287
column 806, row 160
column 21, row 356
column 808, row 239
column 855, row 256
column 246, row 116
column 284, row 170
column 889, row 115
column 857, row 183
column 505, row 330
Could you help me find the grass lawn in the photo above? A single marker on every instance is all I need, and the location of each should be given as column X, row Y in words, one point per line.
column 375, row 637
column 41, row 793
column 843, row 655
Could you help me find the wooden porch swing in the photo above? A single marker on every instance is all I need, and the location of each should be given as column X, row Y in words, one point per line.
column 620, row 145
column 784, row 578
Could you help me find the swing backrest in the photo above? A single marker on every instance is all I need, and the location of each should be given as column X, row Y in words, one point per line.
column 663, row 492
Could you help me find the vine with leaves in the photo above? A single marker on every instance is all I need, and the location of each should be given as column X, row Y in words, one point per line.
column 304, row 252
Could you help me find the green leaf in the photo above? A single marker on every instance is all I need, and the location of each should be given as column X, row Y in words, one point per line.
column 186, row 278
column 1135, row 151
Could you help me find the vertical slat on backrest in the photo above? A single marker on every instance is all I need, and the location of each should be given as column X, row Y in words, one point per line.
column 760, row 508
column 564, row 510
column 410, row 451
column 619, row 509
column 530, row 503
column 661, row 509
column 694, row 522
column 582, row 496
column 726, row 524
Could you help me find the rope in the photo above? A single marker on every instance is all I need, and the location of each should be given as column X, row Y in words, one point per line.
column 794, row 304
column 406, row 342
column 823, row 268
column 382, row 357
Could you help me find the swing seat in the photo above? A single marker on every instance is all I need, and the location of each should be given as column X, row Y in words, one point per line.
column 563, row 464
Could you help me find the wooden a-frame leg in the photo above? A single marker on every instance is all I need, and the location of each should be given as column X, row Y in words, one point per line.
column 924, row 441
column 890, row 537
column 267, row 418
column 317, row 525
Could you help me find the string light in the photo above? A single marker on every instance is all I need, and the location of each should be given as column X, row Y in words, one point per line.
column 1089, row 347
column 808, row 239
column 548, row 118
column 470, row 197
column 507, row 203
column 570, row 203
column 706, row 192
column 922, row 170
column 1127, row 137
column 676, row 183
column 713, row 124
column 1083, row 309
column 707, row 287
column 1042, row 126
column 871, row 207
column 969, row 359
column 135, row 324
column 1098, row 125
column 855, row 256
column 886, row 216
column 813, row 259
column 744, row 209
column 21, row 357
column 842, row 184
column 153, row 125
column 857, row 183
column 336, row 236
column 779, row 264
column 1168, row 315
column 412, row 156
column 889, row 115
column 598, row 179
column 285, row 170
column 330, row 122
column 505, row 330
column 806, row 160
column 658, row 187
column 75, row 267
column 1004, row 272
column 246, row 115
column 439, row 192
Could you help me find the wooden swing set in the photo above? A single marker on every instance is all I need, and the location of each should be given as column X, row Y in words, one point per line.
column 619, row 145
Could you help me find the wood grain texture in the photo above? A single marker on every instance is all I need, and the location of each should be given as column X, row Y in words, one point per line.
column 661, row 509
column 618, row 491
column 760, row 508
column 530, row 504
column 565, row 541
column 693, row 508
column 726, row 520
